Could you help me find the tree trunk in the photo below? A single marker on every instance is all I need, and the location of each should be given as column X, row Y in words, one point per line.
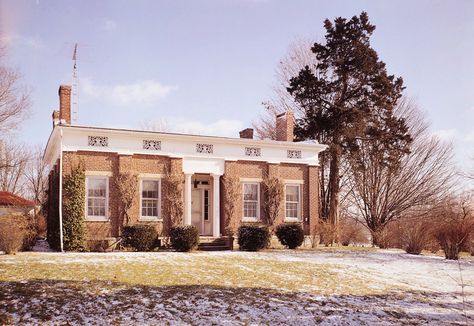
column 334, row 186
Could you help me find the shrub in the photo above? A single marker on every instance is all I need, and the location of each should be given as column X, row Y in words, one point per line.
column 290, row 235
column 452, row 237
column 74, row 227
column 140, row 237
column 29, row 226
column 41, row 225
column 454, row 225
column 184, row 238
column 12, row 234
column 351, row 232
column 327, row 232
column 253, row 237
column 415, row 236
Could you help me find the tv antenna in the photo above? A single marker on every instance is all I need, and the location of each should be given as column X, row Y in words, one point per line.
column 74, row 86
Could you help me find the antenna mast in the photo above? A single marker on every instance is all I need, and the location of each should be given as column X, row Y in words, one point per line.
column 74, row 85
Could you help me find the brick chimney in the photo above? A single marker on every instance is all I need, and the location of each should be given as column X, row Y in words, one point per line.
column 246, row 133
column 285, row 124
column 55, row 118
column 65, row 104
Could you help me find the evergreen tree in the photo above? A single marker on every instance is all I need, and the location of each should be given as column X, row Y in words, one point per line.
column 348, row 97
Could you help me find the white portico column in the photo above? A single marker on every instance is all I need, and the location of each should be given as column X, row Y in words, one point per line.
column 187, row 199
column 216, row 219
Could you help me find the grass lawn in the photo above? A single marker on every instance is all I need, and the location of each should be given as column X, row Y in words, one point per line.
column 272, row 287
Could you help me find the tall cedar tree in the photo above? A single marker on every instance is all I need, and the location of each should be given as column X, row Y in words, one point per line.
column 349, row 96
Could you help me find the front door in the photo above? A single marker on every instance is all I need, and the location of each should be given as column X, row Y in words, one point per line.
column 200, row 210
column 196, row 208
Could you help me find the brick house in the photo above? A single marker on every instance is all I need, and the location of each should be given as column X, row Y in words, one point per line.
column 202, row 161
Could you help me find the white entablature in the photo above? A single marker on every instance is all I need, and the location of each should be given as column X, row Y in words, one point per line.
column 129, row 142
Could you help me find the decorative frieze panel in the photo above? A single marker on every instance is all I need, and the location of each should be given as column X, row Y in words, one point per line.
column 205, row 148
column 252, row 151
column 293, row 153
column 98, row 141
column 154, row 145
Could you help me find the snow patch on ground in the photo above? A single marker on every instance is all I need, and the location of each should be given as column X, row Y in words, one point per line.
column 396, row 288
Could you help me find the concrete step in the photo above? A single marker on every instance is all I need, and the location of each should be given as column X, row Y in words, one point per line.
column 213, row 243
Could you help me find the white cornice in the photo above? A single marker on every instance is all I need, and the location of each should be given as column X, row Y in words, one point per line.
column 129, row 142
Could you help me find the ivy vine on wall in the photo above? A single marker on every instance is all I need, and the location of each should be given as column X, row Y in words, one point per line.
column 74, row 228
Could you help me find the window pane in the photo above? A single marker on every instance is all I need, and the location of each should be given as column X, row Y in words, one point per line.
column 292, row 210
column 292, row 193
column 150, row 188
column 250, row 192
column 250, row 209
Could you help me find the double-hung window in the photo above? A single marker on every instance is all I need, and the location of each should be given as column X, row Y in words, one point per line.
column 97, row 197
column 293, row 202
column 150, row 199
column 251, row 201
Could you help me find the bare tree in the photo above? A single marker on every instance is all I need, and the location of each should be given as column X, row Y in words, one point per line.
column 14, row 99
column 36, row 176
column 161, row 125
column 13, row 161
column 384, row 189
column 298, row 56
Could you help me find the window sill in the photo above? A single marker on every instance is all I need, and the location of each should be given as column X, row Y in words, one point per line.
column 97, row 219
column 250, row 220
column 293, row 220
column 150, row 219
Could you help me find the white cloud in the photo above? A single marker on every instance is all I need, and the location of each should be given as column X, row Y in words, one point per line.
column 142, row 93
column 223, row 127
column 21, row 40
column 109, row 25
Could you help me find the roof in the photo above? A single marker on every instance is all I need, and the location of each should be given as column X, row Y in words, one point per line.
column 9, row 199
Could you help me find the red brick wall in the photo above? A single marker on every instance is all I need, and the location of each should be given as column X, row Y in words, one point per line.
column 153, row 164
column 310, row 193
column 114, row 163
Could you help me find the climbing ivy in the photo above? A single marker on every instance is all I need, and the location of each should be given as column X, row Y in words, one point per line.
column 74, row 228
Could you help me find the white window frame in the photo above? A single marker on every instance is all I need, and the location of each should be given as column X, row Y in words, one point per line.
column 94, row 217
column 150, row 218
column 251, row 218
column 291, row 218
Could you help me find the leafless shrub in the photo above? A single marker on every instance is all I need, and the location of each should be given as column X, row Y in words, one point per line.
column 454, row 220
column 232, row 198
column 41, row 225
column 127, row 187
column 12, row 233
column 416, row 235
column 351, row 231
column 327, row 232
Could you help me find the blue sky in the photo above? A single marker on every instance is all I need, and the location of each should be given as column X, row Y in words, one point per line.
column 206, row 66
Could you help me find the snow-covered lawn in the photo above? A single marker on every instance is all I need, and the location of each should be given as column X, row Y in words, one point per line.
column 330, row 287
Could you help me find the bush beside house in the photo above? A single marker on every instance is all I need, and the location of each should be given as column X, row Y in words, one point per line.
column 253, row 237
column 140, row 237
column 184, row 237
column 291, row 235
